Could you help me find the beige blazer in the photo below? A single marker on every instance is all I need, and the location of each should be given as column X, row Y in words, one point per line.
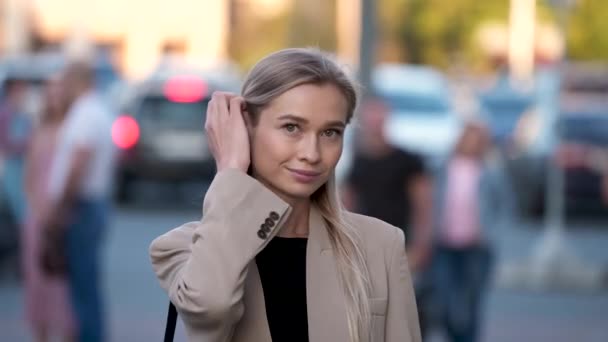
column 208, row 269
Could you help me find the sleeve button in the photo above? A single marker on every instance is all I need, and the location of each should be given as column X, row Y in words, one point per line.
column 265, row 227
column 274, row 216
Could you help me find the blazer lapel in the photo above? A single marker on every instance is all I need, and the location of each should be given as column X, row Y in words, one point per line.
column 326, row 302
column 325, row 299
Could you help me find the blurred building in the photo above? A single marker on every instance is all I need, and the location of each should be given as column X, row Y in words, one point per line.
column 144, row 33
column 141, row 32
column 14, row 28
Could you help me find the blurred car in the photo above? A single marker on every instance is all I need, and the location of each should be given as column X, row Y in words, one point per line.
column 34, row 70
column 161, row 138
column 560, row 95
column 584, row 141
column 422, row 117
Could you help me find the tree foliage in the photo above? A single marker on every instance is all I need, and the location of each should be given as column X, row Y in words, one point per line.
column 436, row 31
column 588, row 31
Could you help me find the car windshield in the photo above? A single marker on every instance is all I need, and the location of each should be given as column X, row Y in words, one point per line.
column 162, row 111
column 418, row 104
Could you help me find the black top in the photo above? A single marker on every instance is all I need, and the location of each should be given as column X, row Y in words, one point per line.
column 282, row 268
column 380, row 184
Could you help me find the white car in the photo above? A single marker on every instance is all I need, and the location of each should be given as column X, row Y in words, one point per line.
column 422, row 118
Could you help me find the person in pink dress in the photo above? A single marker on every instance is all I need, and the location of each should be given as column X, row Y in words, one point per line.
column 472, row 200
column 47, row 307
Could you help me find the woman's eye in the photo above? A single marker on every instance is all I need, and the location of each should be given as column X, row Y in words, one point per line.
column 291, row 128
column 332, row 133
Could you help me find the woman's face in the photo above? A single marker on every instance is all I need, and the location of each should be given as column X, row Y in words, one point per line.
column 297, row 140
column 474, row 142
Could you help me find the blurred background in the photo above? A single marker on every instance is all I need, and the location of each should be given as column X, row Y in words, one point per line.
column 534, row 72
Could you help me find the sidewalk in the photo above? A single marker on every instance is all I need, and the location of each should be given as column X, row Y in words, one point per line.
column 137, row 306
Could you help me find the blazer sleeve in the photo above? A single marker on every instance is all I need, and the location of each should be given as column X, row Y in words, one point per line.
column 402, row 314
column 202, row 265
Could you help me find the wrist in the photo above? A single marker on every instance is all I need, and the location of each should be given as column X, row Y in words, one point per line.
column 232, row 165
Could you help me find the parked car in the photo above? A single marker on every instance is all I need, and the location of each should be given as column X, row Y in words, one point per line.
column 35, row 69
column 584, row 141
column 161, row 137
column 568, row 100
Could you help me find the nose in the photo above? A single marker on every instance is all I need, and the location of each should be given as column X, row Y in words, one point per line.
column 309, row 149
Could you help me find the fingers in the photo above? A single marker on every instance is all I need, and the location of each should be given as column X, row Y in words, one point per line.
column 223, row 99
column 217, row 109
column 235, row 109
column 210, row 124
column 218, row 116
column 210, row 114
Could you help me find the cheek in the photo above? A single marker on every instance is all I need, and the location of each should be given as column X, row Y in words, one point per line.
column 268, row 149
column 331, row 153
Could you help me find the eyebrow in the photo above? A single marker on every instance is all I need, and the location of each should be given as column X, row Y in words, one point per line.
column 304, row 121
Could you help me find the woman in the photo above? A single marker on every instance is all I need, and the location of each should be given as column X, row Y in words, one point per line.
column 275, row 258
column 47, row 307
column 469, row 191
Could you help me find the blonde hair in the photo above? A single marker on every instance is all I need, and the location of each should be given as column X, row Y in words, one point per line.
column 273, row 76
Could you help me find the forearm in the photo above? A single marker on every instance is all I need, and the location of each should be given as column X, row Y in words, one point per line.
column 420, row 241
column 72, row 188
column 76, row 173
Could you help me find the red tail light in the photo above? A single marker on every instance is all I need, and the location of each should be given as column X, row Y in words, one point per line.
column 125, row 132
column 185, row 89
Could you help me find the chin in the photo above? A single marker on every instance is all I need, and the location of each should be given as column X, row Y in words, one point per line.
column 297, row 191
column 289, row 189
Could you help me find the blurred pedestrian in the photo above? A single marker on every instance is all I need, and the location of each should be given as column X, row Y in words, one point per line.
column 470, row 197
column 275, row 257
column 48, row 309
column 79, row 187
column 15, row 132
column 393, row 185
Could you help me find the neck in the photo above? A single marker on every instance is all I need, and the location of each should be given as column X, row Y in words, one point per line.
column 297, row 223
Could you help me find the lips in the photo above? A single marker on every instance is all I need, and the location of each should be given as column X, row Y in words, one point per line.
column 304, row 176
column 306, row 173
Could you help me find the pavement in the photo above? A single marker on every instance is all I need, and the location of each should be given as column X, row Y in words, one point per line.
column 137, row 307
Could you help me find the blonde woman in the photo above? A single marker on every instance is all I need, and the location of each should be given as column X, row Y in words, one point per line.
column 275, row 257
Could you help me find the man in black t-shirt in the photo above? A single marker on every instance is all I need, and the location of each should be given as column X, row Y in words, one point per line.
column 381, row 184
column 392, row 185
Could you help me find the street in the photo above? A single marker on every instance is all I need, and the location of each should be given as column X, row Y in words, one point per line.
column 136, row 305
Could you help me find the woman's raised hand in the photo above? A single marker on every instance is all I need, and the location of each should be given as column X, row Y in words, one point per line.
column 227, row 133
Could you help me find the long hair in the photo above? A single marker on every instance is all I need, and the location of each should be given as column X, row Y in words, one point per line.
column 273, row 76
